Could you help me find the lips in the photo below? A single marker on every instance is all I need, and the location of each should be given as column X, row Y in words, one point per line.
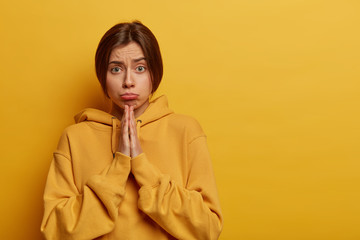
column 129, row 96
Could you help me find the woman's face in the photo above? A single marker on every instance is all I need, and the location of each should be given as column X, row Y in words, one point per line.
column 128, row 79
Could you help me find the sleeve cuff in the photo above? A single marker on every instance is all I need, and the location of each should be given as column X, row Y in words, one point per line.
column 120, row 155
column 146, row 174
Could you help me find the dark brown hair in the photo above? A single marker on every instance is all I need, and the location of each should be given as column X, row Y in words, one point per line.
column 122, row 34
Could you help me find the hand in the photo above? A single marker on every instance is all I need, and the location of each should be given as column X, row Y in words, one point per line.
column 135, row 146
column 124, row 141
column 129, row 143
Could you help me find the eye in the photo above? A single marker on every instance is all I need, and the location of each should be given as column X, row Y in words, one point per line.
column 140, row 68
column 115, row 69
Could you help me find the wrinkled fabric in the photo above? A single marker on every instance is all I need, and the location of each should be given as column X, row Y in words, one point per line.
column 167, row 192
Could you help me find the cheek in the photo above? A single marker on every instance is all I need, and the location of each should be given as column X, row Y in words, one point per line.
column 150, row 87
column 110, row 92
column 144, row 84
column 111, row 85
column 149, row 84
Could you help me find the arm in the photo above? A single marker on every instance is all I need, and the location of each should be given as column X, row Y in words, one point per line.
column 71, row 214
column 192, row 212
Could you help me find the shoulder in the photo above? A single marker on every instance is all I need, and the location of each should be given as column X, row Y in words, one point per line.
column 64, row 141
column 184, row 120
column 187, row 124
column 81, row 128
column 78, row 132
column 75, row 129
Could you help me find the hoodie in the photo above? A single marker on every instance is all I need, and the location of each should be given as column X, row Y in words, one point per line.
column 167, row 192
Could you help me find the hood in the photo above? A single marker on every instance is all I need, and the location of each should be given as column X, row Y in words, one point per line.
column 158, row 108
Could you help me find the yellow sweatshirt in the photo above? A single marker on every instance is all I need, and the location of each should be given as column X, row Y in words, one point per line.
column 167, row 192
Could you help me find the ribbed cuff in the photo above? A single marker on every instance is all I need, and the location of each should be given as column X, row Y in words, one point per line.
column 146, row 174
column 120, row 155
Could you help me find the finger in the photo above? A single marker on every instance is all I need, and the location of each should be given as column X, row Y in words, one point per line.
column 131, row 123
column 135, row 146
column 126, row 122
column 125, row 142
column 123, row 119
column 131, row 113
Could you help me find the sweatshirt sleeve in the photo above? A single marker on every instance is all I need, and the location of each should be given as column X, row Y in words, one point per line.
column 71, row 214
column 191, row 212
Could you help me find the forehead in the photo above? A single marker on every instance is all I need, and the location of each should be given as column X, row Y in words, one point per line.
column 131, row 50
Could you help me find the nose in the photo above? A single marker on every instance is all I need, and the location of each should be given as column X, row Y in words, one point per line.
column 128, row 80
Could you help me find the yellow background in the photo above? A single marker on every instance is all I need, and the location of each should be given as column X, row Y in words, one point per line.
column 274, row 83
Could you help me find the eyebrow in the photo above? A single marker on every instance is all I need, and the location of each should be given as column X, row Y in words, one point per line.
column 134, row 60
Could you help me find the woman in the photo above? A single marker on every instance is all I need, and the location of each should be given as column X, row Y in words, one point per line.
column 140, row 172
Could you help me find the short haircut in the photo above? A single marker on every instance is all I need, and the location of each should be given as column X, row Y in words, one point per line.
column 122, row 34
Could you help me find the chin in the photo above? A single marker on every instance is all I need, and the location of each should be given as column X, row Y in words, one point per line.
column 130, row 103
column 134, row 105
